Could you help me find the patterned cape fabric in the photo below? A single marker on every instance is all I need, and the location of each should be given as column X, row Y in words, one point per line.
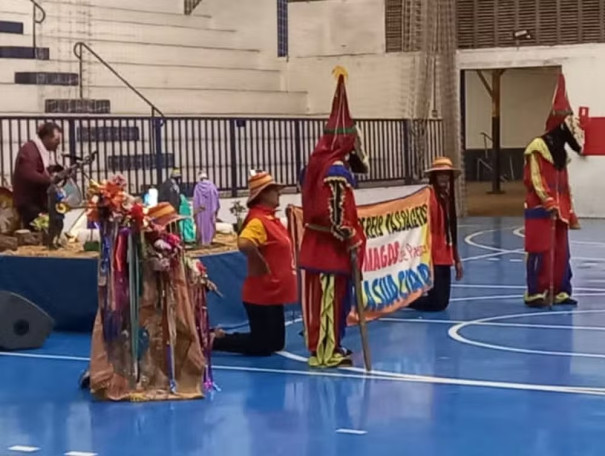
column 151, row 335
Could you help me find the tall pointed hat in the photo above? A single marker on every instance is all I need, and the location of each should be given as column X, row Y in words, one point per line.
column 340, row 121
column 342, row 131
column 561, row 108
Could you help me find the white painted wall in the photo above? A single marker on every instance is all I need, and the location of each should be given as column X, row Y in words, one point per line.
column 336, row 28
column 584, row 70
column 526, row 97
column 377, row 86
column 349, row 33
column 255, row 21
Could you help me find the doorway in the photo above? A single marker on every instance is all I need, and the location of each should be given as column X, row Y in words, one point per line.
column 502, row 111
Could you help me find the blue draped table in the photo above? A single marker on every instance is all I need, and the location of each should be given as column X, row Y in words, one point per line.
column 66, row 288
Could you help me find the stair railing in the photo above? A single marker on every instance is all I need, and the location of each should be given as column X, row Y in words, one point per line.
column 191, row 5
column 157, row 120
column 485, row 163
column 36, row 20
column 80, row 46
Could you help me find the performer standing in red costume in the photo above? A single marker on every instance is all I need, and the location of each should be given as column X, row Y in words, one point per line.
column 331, row 231
column 549, row 210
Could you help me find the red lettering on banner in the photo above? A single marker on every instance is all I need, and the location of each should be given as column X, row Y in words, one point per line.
column 382, row 257
column 415, row 252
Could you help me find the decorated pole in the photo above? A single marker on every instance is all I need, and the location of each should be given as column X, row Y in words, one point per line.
column 365, row 345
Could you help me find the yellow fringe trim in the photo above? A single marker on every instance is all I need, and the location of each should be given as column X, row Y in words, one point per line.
column 326, row 355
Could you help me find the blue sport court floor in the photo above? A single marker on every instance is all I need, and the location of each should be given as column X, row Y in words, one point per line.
column 486, row 377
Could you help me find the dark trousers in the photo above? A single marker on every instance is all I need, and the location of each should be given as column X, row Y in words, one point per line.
column 28, row 213
column 267, row 333
column 438, row 298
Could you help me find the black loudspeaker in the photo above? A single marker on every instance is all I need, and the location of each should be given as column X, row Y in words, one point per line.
column 23, row 325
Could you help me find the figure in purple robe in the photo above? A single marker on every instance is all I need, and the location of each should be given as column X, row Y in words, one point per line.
column 205, row 208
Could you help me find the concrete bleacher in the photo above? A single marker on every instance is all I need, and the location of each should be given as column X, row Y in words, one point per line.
column 185, row 65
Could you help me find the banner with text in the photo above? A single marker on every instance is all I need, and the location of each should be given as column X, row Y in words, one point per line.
column 397, row 269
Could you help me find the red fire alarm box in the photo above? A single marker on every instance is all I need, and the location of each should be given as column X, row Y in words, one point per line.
column 594, row 132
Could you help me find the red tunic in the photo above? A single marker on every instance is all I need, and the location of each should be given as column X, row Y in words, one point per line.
column 331, row 223
column 442, row 251
column 547, row 188
column 280, row 285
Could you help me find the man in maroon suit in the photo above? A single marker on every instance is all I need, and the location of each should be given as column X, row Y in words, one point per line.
column 31, row 177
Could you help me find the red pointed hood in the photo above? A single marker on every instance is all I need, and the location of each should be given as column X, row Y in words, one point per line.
column 341, row 137
column 561, row 108
column 340, row 121
column 338, row 139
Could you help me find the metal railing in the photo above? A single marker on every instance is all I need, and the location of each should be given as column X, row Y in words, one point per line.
column 79, row 46
column 157, row 120
column 35, row 22
column 227, row 148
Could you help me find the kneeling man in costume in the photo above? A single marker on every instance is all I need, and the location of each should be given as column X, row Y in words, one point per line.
column 331, row 231
column 549, row 212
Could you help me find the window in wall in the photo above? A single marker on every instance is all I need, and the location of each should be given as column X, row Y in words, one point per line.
column 492, row 23
column 282, row 28
column 393, row 25
column 405, row 24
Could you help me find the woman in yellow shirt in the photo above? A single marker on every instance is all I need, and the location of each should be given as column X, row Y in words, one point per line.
column 271, row 280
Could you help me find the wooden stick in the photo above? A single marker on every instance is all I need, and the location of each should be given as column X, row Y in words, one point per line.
column 551, row 289
column 367, row 356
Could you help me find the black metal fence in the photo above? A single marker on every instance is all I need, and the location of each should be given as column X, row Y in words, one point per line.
column 144, row 149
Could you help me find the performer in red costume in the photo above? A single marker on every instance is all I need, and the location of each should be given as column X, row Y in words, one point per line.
column 331, row 231
column 549, row 210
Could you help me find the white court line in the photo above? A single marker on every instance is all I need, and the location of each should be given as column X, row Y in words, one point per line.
column 521, row 233
column 382, row 375
column 494, row 297
column 475, row 225
column 503, row 325
column 79, row 453
column 23, row 449
column 469, row 240
column 351, row 431
column 515, row 287
column 454, row 333
column 485, row 298
column 578, row 258
column 42, row 356
column 358, row 373
column 593, row 243
column 491, row 255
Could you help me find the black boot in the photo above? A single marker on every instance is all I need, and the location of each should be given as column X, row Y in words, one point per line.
column 567, row 302
column 84, row 380
column 536, row 303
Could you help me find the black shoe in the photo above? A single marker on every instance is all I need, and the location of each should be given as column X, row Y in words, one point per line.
column 536, row 303
column 567, row 302
column 345, row 352
column 84, row 380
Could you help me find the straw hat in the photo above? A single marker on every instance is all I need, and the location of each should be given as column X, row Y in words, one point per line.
column 164, row 214
column 443, row 164
column 258, row 182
